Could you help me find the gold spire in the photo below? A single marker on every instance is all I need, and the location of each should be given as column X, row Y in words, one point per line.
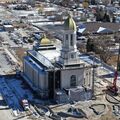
column 69, row 23
column 45, row 40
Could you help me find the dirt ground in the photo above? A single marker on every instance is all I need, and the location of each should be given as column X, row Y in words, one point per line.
column 113, row 60
column 20, row 52
column 109, row 115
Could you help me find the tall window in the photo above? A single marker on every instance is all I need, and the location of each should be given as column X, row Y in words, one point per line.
column 66, row 36
column 71, row 40
column 73, row 81
column 72, row 56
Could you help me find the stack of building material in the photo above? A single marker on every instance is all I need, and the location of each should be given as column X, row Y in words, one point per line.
column 80, row 94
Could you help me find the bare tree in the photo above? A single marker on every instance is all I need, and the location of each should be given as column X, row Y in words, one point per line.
column 103, row 45
column 81, row 47
column 65, row 2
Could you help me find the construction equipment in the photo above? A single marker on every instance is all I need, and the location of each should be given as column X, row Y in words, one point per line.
column 25, row 104
column 113, row 89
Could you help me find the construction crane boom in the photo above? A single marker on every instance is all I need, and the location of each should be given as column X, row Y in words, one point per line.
column 113, row 89
column 115, row 79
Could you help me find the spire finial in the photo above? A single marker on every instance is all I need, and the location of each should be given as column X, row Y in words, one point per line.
column 69, row 15
column 44, row 35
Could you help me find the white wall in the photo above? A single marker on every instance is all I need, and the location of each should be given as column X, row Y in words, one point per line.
column 88, row 77
column 66, row 74
column 36, row 75
column 28, row 71
column 42, row 81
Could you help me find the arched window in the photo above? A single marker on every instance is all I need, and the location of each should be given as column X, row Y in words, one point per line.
column 73, row 81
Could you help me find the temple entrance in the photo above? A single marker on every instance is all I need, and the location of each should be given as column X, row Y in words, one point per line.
column 54, row 78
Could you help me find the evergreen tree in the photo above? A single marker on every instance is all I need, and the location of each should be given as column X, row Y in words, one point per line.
column 99, row 14
column 113, row 19
column 106, row 18
column 93, row 2
column 90, row 46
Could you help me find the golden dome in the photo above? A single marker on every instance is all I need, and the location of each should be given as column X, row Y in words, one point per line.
column 44, row 40
column 70, row 24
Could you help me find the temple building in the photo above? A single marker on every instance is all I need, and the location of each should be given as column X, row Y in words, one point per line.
column 55, row 71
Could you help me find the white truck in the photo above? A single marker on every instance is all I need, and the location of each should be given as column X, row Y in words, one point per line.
column 25, row 104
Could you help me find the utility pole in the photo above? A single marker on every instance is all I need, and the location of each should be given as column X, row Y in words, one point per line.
column 54, row 83
column 118, row 60
column 93, row 75
column 93, row 72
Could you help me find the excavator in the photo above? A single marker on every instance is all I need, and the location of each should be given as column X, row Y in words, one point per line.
column 113, row 88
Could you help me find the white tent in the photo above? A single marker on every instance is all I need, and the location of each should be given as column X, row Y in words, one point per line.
column 104, row 30
column 81, row 30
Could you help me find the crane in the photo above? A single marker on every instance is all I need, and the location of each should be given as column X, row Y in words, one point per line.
column 113, row 89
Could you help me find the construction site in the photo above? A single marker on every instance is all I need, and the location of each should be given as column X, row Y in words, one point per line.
column 104, row 104
column 20, row 33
